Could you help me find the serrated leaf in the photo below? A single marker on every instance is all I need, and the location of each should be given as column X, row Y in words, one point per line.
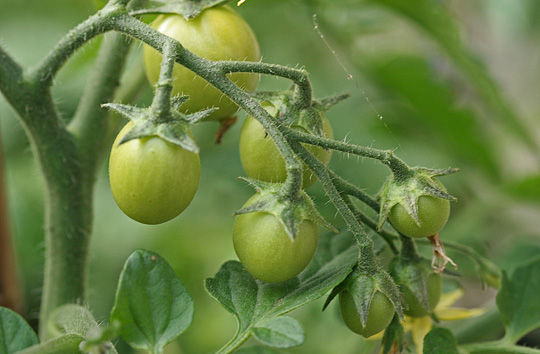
column 518, row 300
column 15, row 333
column 152, row 305
column 186, row 8
column 252, row 302
column 440, row 341
column 280, row 332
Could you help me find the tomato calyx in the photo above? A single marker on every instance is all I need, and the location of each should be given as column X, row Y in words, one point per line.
column 419, row 284
column 405, row 191
column 283, row 106
column 366, row 288
column 289, row 211
column 173, row 129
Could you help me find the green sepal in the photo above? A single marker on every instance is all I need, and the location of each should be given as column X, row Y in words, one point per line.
column 187, row 8
column 308, row 119
column 362, row 284
column 174, row 129
column 414, row 275
column 406, row 189
column 393, row 337
column 290, row 213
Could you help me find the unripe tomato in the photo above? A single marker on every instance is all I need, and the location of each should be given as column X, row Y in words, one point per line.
column 260, row 156
column 152, row 181
column 265, row 249
column 433, row 213
column 415, row 308
column 217, row 33
column 380, row 314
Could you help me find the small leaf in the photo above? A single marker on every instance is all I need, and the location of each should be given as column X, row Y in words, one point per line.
column 440, row 341
column 253, row 302
column 280, row 332
column 518, row 300
column 393, row 337
column 15, row 333
column 152, row 305
column 65, row 344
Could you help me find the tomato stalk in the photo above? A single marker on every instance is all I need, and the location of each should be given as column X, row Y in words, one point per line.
column 161, row 104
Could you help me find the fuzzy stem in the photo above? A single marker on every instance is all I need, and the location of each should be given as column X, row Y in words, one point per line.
column 322, row 172
column 215, row 73
column 161, row 104
column 90, row 124
column 387, row 157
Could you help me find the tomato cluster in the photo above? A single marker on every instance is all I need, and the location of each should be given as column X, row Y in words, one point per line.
column 265, row 249
column 218, row 33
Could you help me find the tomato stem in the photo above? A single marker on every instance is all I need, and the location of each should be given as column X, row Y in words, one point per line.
column 161, row 104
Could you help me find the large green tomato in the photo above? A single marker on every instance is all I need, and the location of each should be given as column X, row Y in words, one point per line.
column 265, row 250
column 152, row 181
column 260, row 156
column 433, row 213
column 415, row 308
column 217, row 33
column 380, row 314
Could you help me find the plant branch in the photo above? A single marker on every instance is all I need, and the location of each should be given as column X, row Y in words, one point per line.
column 387, row 157
column 214, row 73
column 95, row 25
column 322, row 172
column 10, row 74
column 89, row 124
column 161, row 105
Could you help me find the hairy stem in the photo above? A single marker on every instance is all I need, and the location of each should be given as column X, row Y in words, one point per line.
column 387, row 157
column 161, row 105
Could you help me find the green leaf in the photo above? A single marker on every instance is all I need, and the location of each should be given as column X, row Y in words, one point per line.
column 393, row 336
column 152, row 306
column 66, row 344
column 257, row 350
column 527, row 188
column 518, row 300
column 187, row 8
column 440, row 341
column 280, row 332
column 15, row 333
column 78, row 320
column 254, row 303
column 434, row 109
column 436, row 20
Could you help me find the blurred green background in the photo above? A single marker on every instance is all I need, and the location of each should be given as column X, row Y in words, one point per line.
column 444, row 83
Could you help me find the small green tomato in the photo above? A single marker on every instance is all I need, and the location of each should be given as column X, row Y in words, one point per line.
column 380, row 314
column 151, row 180
column 260, row 156
column 433, row 214
column 415, row 308
column 217, row 33
column 265, row 249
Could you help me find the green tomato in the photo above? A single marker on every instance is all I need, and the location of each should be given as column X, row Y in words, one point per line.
column 415, row 308
column 433, row 213
column 152, row 181
column 265, row 249
column 260, row 156
column 380, row 314
column 217, row 33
